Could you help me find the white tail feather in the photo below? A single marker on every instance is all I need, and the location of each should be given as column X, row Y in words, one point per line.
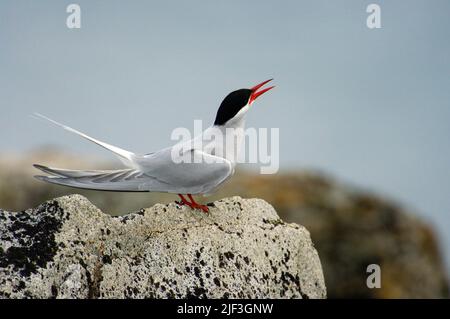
column 126, row 157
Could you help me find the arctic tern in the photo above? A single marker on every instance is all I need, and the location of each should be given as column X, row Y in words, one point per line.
column 158, row 171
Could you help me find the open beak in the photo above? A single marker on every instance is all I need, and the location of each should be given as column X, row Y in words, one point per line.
column 255, row 93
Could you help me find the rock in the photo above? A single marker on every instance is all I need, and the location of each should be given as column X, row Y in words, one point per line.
column 68, row 248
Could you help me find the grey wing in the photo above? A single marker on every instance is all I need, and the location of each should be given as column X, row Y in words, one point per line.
column 157, row 173
column 125, row 180
column 199, row 176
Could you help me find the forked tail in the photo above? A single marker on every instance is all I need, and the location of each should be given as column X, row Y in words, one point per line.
column 127, row 158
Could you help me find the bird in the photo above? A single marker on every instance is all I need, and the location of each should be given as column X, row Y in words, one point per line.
column 208, row 167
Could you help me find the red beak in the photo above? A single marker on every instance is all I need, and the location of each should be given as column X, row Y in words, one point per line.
column 256, row 93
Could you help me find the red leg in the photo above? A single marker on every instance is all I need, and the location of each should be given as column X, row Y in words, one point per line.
column 197, row 205
column 193, row 204
column 183, row 201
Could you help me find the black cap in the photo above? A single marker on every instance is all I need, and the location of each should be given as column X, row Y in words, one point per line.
column 231, row 105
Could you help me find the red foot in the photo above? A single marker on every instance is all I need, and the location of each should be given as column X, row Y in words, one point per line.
column 192, row 204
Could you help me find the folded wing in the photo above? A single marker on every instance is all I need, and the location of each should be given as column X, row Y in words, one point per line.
column 157, row 173
column 125, row 180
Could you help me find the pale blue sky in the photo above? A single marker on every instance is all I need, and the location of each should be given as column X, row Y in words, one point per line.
column 370, row 106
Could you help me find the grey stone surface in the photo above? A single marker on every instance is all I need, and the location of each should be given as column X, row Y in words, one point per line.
column 68, row 248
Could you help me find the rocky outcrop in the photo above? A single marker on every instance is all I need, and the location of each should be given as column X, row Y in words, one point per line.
column 68, row 248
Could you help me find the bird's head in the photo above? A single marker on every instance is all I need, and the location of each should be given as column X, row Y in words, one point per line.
column 237, row 103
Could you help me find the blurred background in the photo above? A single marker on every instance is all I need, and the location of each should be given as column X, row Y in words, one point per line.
column 363, row 115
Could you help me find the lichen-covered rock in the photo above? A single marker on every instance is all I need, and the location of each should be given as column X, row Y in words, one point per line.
column 68, row 248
